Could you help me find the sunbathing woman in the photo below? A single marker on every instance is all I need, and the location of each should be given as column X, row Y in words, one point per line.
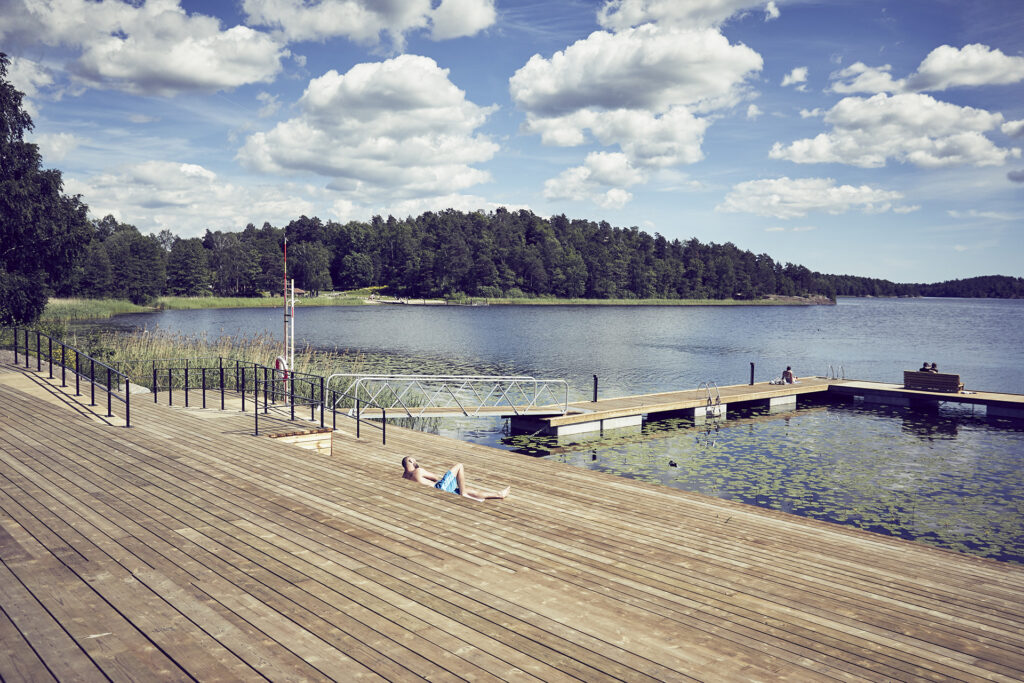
column 453, row 481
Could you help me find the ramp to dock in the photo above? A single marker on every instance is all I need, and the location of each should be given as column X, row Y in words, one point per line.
column 185, row 548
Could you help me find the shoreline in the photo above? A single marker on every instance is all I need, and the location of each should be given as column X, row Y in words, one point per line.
column 99, row 309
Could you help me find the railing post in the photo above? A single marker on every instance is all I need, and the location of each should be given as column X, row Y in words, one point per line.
column 321, row 403
column 92, row 381
column 243, row 384
column 256, row 410
column 170, row 387
column 154, row 383
column 49, row 343
column 39, row 359
column 384, row 427
column 186, row 382
column 751, row 373
column 204, row 387
column 334, row 410
column 110, row 410
column 595, row 388
column 222, row 384
column 63, row 365
column 264, row 388
column 291, row 393
column 77, row 376
column 127, row 403
column 26, row 347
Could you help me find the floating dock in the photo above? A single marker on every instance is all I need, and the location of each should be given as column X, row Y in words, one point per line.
column 185, row 548
column 714, row 402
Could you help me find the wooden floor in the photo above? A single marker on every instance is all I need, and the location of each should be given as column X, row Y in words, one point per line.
column 185, row 548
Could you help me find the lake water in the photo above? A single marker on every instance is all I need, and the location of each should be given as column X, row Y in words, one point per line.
column 950, row 478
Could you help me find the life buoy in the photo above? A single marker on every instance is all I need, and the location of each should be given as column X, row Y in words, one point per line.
column 281, row 365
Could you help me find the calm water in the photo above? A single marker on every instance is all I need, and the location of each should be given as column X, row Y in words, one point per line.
column 950, row 478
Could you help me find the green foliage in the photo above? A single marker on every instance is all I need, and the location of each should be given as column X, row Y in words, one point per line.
column 188, row 273
column 43, row 230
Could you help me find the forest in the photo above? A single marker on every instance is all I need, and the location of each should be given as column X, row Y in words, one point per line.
column 453, row 253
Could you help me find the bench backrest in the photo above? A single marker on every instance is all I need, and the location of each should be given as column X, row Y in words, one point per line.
column 938, row 381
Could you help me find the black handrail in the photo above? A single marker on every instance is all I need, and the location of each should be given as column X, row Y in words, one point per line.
column 332, row 394
column 80, row 374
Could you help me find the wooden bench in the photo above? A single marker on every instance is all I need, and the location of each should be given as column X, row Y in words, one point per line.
column 932, row 381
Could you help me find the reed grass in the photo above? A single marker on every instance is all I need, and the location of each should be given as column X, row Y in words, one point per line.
column 88, row 309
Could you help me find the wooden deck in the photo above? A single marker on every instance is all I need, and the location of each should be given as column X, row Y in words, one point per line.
column 185, row 548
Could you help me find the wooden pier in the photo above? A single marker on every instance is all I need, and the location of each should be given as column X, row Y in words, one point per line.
column 630, row 411
column 184, row 548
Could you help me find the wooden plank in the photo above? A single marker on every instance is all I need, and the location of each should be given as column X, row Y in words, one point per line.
column 579, row 574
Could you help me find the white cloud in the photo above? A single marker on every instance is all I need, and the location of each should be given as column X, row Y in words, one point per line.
column 142, row 118
column 600, row 180
column 642, row 90
column 974, row 213
column 639, row 89
column 644, row 68
column 909, row 128
column 859, row 77
column 811, row 113
column 753, row 111
column 793, row 198
column 29, row 77
column 1015, row 129
column 270, row 104
column 153, row 48
column 459, row 18
column 797, row 75
column 55, row 147
column 623, row 14
column 945, row 67
column 771, row 11
column 187, row 199
column 972, row 65
column 397, row 128
column 363, row 21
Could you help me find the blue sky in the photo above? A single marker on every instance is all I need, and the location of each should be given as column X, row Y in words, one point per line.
column 864, row 137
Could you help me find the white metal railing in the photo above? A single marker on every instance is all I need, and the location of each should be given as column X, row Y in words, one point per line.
column 836, row 372
column 467, row 395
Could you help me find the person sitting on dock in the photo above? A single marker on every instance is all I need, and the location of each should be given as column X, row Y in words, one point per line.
column 453, row 481
column 788, row 377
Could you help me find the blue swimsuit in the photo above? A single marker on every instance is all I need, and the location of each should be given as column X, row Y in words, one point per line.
column 448, row 483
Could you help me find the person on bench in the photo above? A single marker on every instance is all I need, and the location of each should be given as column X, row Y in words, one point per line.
column 925, row 367
column 452, row 481
column 934, row 368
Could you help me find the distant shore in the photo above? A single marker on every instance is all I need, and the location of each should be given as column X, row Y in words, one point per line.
column 96, row 309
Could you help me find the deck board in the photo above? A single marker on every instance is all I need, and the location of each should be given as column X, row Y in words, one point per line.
column 207, row 552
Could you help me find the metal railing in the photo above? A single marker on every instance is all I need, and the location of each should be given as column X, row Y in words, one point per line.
column 467, row 395
column 112, row 376
column 333, row 398
column 707, row 386
column 835, row 372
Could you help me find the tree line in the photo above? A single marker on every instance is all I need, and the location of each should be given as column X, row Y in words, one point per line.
column 452, row 253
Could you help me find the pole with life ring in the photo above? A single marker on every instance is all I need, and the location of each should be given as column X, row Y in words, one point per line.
column 281, row 365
